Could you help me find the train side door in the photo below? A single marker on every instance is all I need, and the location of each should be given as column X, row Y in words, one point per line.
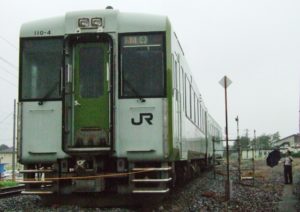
column 91, row 96
column 177, row 120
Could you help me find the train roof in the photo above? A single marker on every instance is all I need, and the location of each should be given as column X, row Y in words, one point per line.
column 114, row 21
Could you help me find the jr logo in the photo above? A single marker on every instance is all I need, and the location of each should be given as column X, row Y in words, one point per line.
column 147, row 116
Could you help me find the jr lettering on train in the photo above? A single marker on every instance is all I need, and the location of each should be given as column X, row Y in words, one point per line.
column 143, row 116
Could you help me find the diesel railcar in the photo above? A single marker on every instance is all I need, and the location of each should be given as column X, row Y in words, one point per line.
column 107, row 103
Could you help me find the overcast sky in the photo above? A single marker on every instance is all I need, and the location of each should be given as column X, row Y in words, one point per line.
column 256, row 43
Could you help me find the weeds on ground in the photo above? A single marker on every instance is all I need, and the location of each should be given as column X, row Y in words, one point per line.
column 7, row 183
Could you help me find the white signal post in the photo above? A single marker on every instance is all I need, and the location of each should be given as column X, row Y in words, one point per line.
column 225, row 82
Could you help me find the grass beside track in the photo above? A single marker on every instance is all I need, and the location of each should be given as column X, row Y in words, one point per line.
column 7, row 183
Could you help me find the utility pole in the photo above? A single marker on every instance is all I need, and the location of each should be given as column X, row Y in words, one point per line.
column 14, row 144
column 214, row 156
column 225, row 82
column 253, row 155
column 238, row 147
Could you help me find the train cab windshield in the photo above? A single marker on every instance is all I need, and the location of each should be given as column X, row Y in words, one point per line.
column 41, row 62
column 142, row 65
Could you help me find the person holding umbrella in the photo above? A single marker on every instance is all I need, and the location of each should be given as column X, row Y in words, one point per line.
column 287, row 166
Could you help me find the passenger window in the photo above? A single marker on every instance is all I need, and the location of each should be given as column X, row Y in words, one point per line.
column 41, row 62
column 142, row 65
column 188, row 98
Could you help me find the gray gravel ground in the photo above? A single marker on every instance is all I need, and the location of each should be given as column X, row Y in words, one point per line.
column 296, row 188
column 207, row 194
column 32, row 203
column 202, row 194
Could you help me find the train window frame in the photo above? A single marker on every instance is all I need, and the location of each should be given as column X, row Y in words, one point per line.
column 204, row 119
column 195, row 107
column 183, row 88
column 198, row 113
column 120, row 71
column 179, row 86
column 178, row 79
column 175, row 76
column 46, row 97
column 192, row 93
column 187, row 97
column 201, row 117
column 191, row 107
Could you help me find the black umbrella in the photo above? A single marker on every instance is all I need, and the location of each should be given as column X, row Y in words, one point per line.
column 273, row 158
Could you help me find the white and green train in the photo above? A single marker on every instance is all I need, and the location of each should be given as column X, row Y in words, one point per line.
column 107, row 103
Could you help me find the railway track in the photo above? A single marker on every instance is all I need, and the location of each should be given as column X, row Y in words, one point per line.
column 10, row 191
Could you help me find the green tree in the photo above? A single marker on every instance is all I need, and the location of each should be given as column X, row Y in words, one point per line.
column 263, row 141
column 3, row 147
column 276, row 136
column 244, row 143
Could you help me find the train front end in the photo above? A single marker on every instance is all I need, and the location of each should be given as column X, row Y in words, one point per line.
column 93, row 107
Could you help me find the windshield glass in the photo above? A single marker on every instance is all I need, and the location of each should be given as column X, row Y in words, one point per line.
column 41, row 61
column 142, row 66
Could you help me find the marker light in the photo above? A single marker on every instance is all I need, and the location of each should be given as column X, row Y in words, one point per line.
column 83, row 22
column 96, row 22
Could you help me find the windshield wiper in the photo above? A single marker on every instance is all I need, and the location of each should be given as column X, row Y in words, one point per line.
column 48, row 94
column 129, row 85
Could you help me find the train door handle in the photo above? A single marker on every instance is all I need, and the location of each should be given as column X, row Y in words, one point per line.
column 76, row 103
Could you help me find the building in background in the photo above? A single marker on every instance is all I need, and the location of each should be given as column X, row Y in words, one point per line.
column 291, row 142
column 6, row 156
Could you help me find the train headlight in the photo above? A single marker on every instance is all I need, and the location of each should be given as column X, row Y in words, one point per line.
column 96, row 22
column 83, row 22
column 121, row 165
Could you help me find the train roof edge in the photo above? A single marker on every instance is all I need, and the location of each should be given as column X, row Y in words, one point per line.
column 114, row 21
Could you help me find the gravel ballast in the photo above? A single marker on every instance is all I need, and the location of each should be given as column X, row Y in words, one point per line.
column 204, row 193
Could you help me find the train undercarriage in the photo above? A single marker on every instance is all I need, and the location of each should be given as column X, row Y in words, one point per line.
column 96, row 175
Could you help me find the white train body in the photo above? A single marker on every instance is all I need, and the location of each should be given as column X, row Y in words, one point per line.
column 105, row 91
